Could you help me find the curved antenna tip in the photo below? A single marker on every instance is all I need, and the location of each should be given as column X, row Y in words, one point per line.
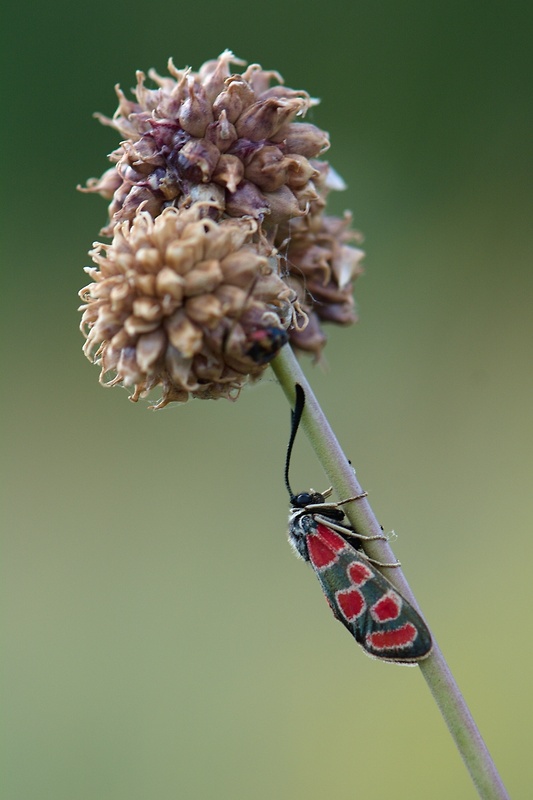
column 296, row 416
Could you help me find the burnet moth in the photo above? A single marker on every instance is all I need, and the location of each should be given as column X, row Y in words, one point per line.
column 266, row 343
column 383, row 622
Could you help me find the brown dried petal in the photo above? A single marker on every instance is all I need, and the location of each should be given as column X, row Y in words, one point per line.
column 339, row 313
column 168, row 282
column 271, row 290
column 310, row 339
column 148, row 153
column 283, row 205
column 246, row 200
column 232, row 299
column 147, row 308
column 230, row 236
column 204, row 310
column 303, row 138
column 135, row 326
column 213, row 74
column 110, row 359
column 197, row 160
column 306, row 196
column 119, row 294
column 127, row 366
column 221, row 133
column 150, row 348
column 106, row 185
column 300, row 170
column 241, row 268
column 148, row 259
column 237, row 96
column 204, row 278
column 208, row 195
column 125, row 106
column 313, row 262
column 181, row 255
column 268, row 168
column 346, row 265
column 196, row 112
column 260, row 78
column 146, row 284
column 180, row 369
column 263, row 119
column 171, row 394
column 136, row 196
column 120, row 340
column 229, row 172
column 183, row 334
column 146, row 98
column 107, row 323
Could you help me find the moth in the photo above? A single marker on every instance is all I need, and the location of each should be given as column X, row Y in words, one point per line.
column 383, row 622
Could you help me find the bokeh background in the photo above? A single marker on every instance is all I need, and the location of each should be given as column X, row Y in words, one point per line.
column 161, row 641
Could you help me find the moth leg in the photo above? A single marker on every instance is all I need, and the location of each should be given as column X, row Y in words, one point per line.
column 348, row 531
column 383, row 563
column 353, row 534
column 349, row 499
column 313, row 507
column 374, row 561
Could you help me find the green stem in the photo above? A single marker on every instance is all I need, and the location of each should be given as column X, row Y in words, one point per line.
column 435, row 670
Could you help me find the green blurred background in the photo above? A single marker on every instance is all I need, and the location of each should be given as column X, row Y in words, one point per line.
column 161, row 641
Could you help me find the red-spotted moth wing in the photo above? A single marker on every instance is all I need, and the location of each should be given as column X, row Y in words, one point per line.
column 383, row 622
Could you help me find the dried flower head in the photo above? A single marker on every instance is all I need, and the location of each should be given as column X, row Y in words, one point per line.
column 221, row 250
column 227, row 139
column 321, row 265
column 186, row 303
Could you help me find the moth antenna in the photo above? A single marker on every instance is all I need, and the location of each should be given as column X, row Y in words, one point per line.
column 296, row 416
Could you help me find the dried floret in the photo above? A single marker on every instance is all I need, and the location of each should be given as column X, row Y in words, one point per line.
column 186, row 303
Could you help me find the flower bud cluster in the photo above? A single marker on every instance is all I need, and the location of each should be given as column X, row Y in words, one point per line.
column 321, row 264
column 186, row 303
column 230, row 140
column 220, row 250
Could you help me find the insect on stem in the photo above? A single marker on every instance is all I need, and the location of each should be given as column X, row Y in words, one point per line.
column 383, row 622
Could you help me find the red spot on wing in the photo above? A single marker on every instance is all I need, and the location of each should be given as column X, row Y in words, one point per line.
column 390, row 640
column 359, row 573
column 334, row 540
column 387, row 607
column 351, row 603
column 324, row 546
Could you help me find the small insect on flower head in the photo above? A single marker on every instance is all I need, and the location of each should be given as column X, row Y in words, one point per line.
column 267, row 342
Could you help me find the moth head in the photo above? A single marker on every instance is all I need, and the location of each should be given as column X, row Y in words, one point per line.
column 305, row 499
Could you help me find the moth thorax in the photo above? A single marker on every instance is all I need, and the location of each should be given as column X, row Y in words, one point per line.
column 336, row 514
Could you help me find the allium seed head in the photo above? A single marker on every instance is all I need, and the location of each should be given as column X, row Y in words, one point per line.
column 185, row 303
column 221, row 250
column 233, row 134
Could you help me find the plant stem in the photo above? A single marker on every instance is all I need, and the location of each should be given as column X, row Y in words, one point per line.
column 435, row 670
